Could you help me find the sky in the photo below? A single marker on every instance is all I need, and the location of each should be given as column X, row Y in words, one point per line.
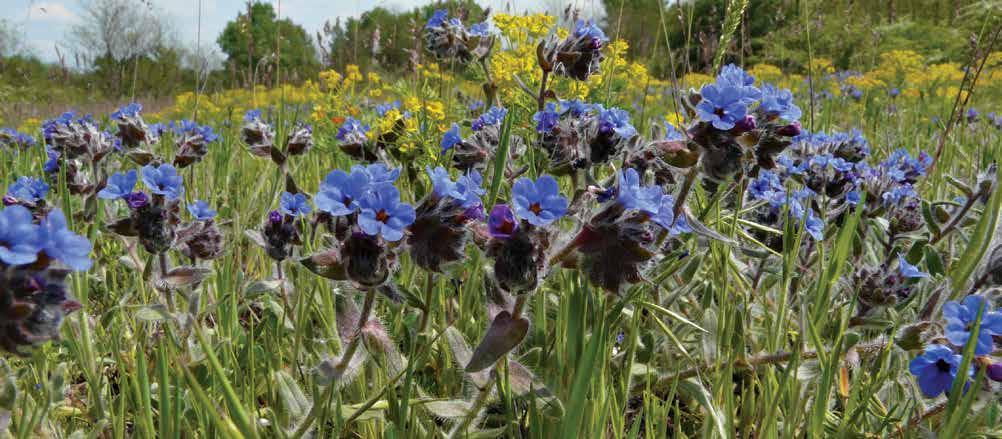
column 43, row 24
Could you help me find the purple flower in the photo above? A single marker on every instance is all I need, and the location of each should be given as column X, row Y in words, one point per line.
column 767, row 187
column 779, row 102
column 814, row 226
column 339, row 192
column 960, row 318
column 294, row 204
column 501, row 224
column 665, row 215
column 137, row 200
column 201, row 211
column 615, row 120
column 383, row 214
column 163, row 180
column 28, row 189
column 120, row 185
column 451, row 138
column 722, row 106
column 936, row 369
column 19, row 237
column 893, row 92
column 60, row 243
column 547, row 119
column 538, row 202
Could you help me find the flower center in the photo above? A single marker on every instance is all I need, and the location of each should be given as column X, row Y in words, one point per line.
column 719, row 112
column 942, row 366
column 382, row 216
column 536, row 208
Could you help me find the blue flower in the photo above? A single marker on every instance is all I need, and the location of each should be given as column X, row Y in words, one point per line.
column 908, row 270
column 352, row 131
column 814, row 226
column 61, row 244
column 673, row 134
column 841, row 165
column 11, row 137
column 441, row 183
column 960, row 318
column 438, row 18
column 468, row 189
column 252, row 115
column 451, row 138
column 190, row 128
column 936, row 369
column 852, row 197
column 665, row 215
column 377, row 173
column 294, row 204
column 28, row 189
column 201, row 211
column 119, row 185
column 631, row 195
column 779, row 102
column 501, row 224
column 547, row 119
column 163, row 180
column 616, row 120
column 538, row 202
column 494, row 116
column 588, row 29
column 576, row 107
column 19, row 236
column 130, row 110
column 732, row 75
column 722, row 106
column 767, row 187
column 382, row 109
column 339, row 192
column 893, row 92
column 898, row 193
column 383, row 214
column 482, row 29
column 52, row 164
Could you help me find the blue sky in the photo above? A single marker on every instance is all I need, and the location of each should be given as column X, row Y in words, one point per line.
column 44, row 23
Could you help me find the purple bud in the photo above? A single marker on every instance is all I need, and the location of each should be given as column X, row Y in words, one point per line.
column 744, row 125
column 9, row 200
column 502, row 223
column 790, row 130
column 995, row 371
column 275, row 217
column 137, row 200
column 475, row 213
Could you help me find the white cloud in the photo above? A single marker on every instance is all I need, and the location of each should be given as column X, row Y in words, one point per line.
column 50, row 11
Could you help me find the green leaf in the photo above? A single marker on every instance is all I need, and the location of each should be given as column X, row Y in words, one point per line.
column 501, row 158
column 981, row 238
column 695, row 390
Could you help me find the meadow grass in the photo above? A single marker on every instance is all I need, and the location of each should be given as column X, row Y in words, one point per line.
column 719, row 341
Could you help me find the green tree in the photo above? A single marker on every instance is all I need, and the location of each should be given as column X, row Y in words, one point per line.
column 260, row 48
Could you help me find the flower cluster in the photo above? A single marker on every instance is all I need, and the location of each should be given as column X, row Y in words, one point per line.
column 579, row 54
column 154, row 216
column 939, row 365
column 192, row 142
column 448, row 39
column 34, row 296
column 13, row 139
column 578, row 135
